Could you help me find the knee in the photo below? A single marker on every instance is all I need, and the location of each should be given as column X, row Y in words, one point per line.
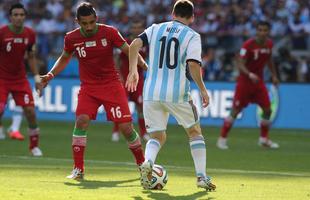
column 82, row 122
column 126, row 128
column 29, row 111
column 267, row 113
column 160, row 137
column 235, row 112
column 194, row 131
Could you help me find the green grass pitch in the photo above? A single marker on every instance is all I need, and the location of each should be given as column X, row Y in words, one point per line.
column 245, row 171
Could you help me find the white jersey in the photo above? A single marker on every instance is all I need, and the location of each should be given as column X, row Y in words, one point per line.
column 171, row 45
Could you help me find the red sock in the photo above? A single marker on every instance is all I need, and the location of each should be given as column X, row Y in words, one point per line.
column 115, row 128
column 138, row 154
column 264, row 128
column 228, row 122
column 142, row 128
column 78, row 156
column 34, row 141
column 33, row 137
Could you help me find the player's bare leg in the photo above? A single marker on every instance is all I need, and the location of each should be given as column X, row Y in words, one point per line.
column 152, row 148
column 133, row 141
column 33, row 131
column 198, row 152
column 265, row 126
column 142, row 129
column 79, row 140
column 228, row 123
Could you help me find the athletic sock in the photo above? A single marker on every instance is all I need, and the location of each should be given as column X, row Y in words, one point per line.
column 16, row 122
column 33, row 137
column 264, row 128
column 228, row 122
column 151, row 150
column 198, row 151
column 134, row 144
column 79, row 140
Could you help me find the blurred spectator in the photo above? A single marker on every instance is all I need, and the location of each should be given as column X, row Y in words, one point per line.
column 287, row 66
column 211, row 65
column 223, row 24
column 229, row 70
column 304, row 70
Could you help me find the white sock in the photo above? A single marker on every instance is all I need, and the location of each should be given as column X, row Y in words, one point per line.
column 16, row 120
column 198, row 151
column 151, row 150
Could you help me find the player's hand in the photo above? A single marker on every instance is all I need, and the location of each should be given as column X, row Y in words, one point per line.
column 132, row 81
column 253, row 77
column 45, row 79
column 205, row 98
column 275, row 81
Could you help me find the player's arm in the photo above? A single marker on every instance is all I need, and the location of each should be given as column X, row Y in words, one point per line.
column 141, row 62
column 133, row 76
column 59, row 65
column 243, row 69
column 195, row 70
column 193, row 60
column 272, row 69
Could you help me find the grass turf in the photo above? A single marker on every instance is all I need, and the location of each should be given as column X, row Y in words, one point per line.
column 244, row 171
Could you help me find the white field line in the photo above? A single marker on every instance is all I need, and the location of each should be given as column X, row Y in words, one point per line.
column 122, row 164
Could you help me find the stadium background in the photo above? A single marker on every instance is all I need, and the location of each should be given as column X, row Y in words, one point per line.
column 223, row 25
column 245, row 171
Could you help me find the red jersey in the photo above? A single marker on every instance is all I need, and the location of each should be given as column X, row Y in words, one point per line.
column 124, row 67
column 12, row 51
column 95, row 53
column 256, row 56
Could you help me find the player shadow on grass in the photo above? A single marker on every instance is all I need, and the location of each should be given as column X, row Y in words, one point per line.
column 156, row 195
column 93, row 184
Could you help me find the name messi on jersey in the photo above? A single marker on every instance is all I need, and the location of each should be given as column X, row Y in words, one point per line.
column 172, row 30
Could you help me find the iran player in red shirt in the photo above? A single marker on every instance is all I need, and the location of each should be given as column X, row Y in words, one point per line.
column 93, row 45
column 136, row 28
column 15, row 40
column 250, row 88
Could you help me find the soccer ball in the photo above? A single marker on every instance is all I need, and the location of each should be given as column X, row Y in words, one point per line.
column 159, row 177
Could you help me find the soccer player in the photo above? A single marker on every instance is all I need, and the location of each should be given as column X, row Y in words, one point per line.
column 15, row 40
column 93, row 45
column 174, row 48
column 250, row 88
column 136, row 28
column 13, row 130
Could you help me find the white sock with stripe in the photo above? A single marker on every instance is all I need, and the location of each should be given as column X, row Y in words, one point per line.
column 151, row 150
column 198, row 151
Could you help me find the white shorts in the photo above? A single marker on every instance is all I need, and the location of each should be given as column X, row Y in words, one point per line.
column 156, row 114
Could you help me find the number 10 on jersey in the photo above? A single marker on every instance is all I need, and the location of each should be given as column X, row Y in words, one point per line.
column 169, row 51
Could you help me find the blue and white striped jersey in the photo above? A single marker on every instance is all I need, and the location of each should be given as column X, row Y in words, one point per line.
column 171, row 45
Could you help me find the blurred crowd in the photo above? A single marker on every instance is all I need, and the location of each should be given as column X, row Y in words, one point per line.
column 223, row 24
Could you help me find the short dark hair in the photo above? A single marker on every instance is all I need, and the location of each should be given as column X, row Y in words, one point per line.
column 264, row 23
column 17, row 5
column 85, row 9
column 183, row 8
